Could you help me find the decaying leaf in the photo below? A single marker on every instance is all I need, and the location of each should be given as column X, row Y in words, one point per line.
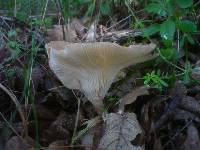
column 132, row 96
column 77, row 26
column 180, row 114
column 58, row 145
column 56, row 33
column 120, row 130
column 16, row 143
column 192, row 141
column 190, row 104
column 157, row 144
column 92, row 138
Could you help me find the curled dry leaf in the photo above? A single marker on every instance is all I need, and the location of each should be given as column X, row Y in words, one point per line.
column 120, row 130
column 92, row 67
column 132, row 96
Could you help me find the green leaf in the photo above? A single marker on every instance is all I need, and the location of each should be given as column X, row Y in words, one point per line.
column 184, row 3
column 168, row 53
column 187, row 26
column 12, row 33
column 89, row 10
column 105, row 8
column 152, row 29
column 167, row 43
column 190, row 39
column 15, row 49
column 22, row 16
column 155, row 8
column 83, row 1
column 170, row 8
column 167, row 29
column 187, row 73
column 10, row 72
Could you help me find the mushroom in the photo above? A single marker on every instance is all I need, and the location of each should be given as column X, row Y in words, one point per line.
column 92, row 67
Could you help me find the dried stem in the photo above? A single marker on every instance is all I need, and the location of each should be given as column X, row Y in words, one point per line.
column 18, row 106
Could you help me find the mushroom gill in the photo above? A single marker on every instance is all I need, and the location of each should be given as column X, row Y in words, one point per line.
column 92, row 67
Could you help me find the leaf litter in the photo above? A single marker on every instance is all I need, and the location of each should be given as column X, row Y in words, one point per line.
column 179, row 126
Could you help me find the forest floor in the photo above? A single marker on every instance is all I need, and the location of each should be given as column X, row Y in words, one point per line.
column 37, row 111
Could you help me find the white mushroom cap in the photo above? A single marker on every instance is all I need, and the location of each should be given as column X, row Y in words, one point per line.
column 92, row 67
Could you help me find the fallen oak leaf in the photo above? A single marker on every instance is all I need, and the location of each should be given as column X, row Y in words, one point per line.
column 120, row 130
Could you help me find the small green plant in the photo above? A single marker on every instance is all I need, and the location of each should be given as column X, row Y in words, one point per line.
column 155, row 79
column 15, row 48
column 175, row 24
column 171, row 16
column 47, row 22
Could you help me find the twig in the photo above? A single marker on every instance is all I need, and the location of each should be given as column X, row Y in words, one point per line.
column 118, row 36
column 45, row 9
column 15, row 9
column 18, row 106
column 118, row 22
column 178, row 41
column 77, row 118
column 10, row 126
column 59, row 9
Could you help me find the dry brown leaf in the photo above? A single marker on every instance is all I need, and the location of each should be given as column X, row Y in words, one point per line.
column 132, row 96
column 192, row 141
column 190, row 104
column 91, row 139
column 179, row 89
column 120, row 130
column 58, row 145
column 16, row 143
column 78, row 27
column 157, row 144
column 180, row 114
column 56, row 34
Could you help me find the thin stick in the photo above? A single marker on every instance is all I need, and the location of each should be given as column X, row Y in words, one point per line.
column 10, row 126
column 45, row 9
column 18, row 106
column 15, row 9
column 77, row 117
